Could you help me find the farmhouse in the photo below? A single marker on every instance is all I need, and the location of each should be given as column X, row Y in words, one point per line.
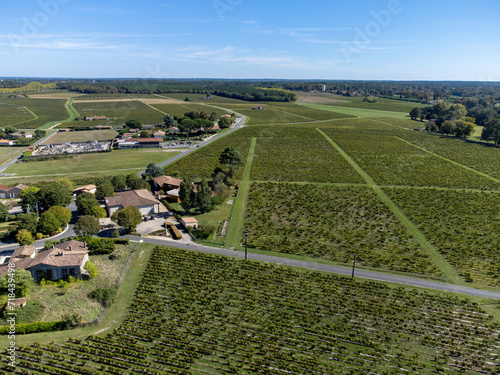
column 18, row 135
column 159, row 134
column 173, row 129
column 63, row 260
column 6, row 142
column 166, row 183
column 142, row 199
column 11, row 192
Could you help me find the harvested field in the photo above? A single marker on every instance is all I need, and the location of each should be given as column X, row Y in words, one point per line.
column 319, row 98
column 159, row 101
column 56, row 95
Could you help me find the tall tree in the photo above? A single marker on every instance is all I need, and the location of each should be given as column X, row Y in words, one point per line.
column 48, row 223
column 204, row 197
column 62, row 214
column 85, row 202
column 153, row 170
column 87, row 226
column 186, row 194
column 27, row 222
column 168, row 120
column 491, row 130
column 232, row 158
column 134, row 124
column 104, row 189
column 4, row 212
column 119, row 182
column 23, row 281
column 29, row 198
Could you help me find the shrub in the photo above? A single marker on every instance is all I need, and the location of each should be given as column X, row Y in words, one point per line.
column 122, row 241
column 176, row 235
column 105, row 296
column 204, row 232
column 38, row 236
column 35, row 327
column 92, row 269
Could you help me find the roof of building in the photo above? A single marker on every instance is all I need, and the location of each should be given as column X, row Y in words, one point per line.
column 167, row 180
column 5, row 141
column 86, row 188
column 132, row 198
column 189, row 220
column 173, row 193
column 144, row 140
column 21, row 252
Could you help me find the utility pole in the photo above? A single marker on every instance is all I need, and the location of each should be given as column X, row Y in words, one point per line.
column 246, row 242
column 353, row 265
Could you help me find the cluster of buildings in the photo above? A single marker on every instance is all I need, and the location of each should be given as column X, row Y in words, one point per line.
column 72, row 148
column 59, row 262
column 11, row 137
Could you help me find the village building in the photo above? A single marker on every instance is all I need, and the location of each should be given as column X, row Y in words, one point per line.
column 85, row 189
column 142, row 199
column 189, row 222
column 11, row 192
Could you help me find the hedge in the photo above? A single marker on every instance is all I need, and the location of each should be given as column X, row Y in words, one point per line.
column 175, row 232
column 35, row 327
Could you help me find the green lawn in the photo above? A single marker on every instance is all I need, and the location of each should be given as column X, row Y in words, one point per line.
column 361, row 112
column 7, row 153
column 109, row 162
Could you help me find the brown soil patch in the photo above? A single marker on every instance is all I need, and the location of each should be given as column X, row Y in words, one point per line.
column 59, row 95
column 105, row 100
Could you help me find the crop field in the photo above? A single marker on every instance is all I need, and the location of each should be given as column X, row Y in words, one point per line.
column 13, row 115
column 381, row 104
column 6, row 153
column 47, row 110
column 108, row 162
column 202, row 163
column 332, row 223
column 390, row 161
column 200, row 98
column 195, row 313
column 118, row 112
column 358, row 112
column 82, row 136
column 464, row 227
column 298, row 154
column 480, row 157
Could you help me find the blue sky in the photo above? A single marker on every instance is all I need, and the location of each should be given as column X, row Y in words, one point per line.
column 317, row 39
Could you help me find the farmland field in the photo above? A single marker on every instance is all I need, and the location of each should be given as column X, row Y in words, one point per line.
column 106, row 162
column 463, row 226
column 117, row 111
column 6, row 153
column 331, row 223
column 358, row 112
column 47, row 110
column 82, row 136
column 297, row 154
column 195, row 313
column 14, row 115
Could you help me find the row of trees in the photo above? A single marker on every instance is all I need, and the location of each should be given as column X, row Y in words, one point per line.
column 50, row 222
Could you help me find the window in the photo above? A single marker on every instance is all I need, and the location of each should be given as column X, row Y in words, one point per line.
column 72, row 272
column 49, row 274
column 64, row 273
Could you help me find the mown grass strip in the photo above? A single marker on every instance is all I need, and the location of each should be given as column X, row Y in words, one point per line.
column 238, row 216
column 450, row 273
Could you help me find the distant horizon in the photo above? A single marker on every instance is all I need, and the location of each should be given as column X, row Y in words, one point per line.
column 242, row 79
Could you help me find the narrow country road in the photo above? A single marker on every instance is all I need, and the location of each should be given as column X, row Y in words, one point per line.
column 328, row 268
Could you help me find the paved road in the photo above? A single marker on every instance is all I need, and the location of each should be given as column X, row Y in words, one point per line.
column 327, row 268
column 13, row 161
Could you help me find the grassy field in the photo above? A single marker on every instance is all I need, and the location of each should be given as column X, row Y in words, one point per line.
column 105, row 163
column 82, row 136
column 117, row 111
column 7, row 153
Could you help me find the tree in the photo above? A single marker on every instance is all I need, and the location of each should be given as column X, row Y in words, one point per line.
column 153, row 170
column 29, row 198
column 119, row 182
column 415, row 113
column 98, row 212
column 85, row 202
column 104, row 189
column 27, row 222
column 134, row 124
column 87, row 226
column 448, row 127
column 464, row 129
column 24, row 237
column 186, row 194
column 168, row 120
column 232, row 157
column 456, row 111
column 62, row 214
column 23, row 281
column 129, row 218
column 54, row 195
column 491, row 130
column 134, row 182
column 48, row 223
column 204, row 197
column 4, row 212
column 144, row 134
column 224, row 122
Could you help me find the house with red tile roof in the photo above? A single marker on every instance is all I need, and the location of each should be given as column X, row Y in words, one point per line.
column 145, row 202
